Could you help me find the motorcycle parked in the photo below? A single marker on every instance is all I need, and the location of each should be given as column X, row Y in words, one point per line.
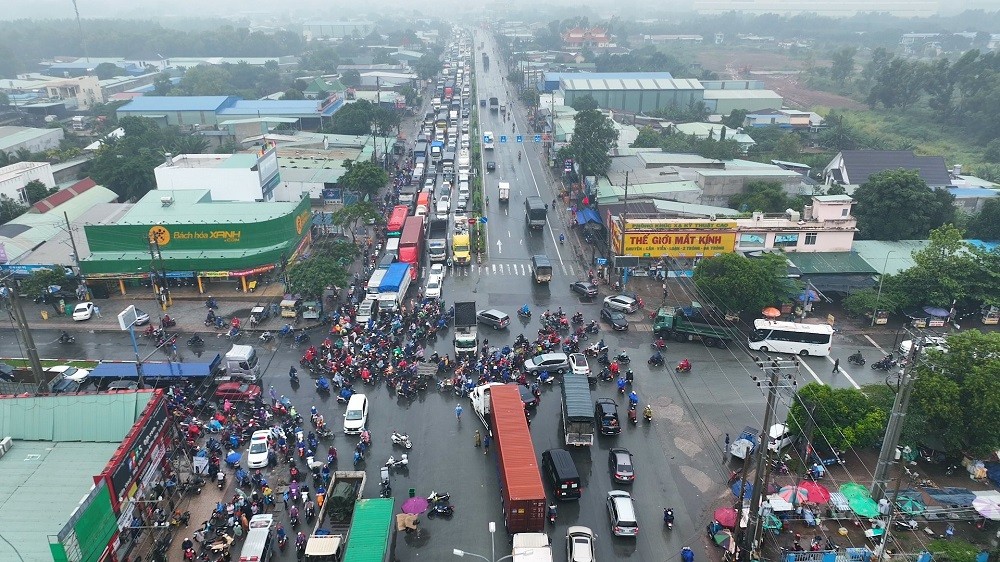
column 886, row 363
column 401, row 439
column 392, row 463
column 438, row 497
column 195, row 341
column 442, row 509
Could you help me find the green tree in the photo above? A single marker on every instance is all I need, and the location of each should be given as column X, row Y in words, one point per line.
column 839, row 135
column 4, row 99
column 898, row 85
column 41, row 279
column 228, row 146
column 898, row 205
column 954, row 393
column 734, row 283
column 387, row 121
column 162, row 84
column 865, row 301
column 353, row 119
column 326, row 267
column 735, row 119
column 205, row 80
column 10, row 209
column 107, row 70
column 593, row 137
column 788, row 147
column 991, row 154
column 427, row 66
column 985, row 225
column 648, row 138
column 364, row 178
column 529, row 97
column 36, row 191
column 947, row 269
column 585, row 103
column 878, row 62
column 348, row 216
column 125, row 165
column 842, row 66
column 410, row 95
column 293, row 94
column 842, row 418
column 764, row 196
column 189, row 144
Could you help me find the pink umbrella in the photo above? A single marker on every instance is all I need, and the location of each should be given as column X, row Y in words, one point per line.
column 726, row 516
column 816, row 492
column 415, row 505
column 793, row 494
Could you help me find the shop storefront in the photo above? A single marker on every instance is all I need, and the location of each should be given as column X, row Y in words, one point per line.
column 671, row 246
column 190, row 240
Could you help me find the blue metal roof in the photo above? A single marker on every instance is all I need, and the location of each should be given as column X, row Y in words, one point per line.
column 557, row 76
column 159, row 104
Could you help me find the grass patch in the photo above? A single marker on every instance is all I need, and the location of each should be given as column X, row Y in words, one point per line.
column 918, row 129
column 46, row 363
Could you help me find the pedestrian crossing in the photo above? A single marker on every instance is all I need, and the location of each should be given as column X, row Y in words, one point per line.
column 509, row 270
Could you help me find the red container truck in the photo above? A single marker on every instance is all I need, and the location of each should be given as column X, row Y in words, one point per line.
column 411, row 243
column 520, row 480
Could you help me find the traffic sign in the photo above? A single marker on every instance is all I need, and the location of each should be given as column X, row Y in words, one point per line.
column 472, row 220
column 503, row 139
column 538, row 138
column 482, row 220
column 520, row 138
column 486, row 139
column 601, row 261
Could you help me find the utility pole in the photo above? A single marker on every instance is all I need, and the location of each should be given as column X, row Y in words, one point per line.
column 775, row 381
column 895, row 426
column 621, row 240
column 29, row 342
column 156, row 255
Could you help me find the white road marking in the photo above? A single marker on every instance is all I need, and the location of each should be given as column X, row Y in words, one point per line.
column 813, row 373
column 499, row 247
column 846, row 374
column 877, row 346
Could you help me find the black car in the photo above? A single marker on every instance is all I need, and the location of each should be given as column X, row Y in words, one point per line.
column 615, row 319
column 528, row 398
column 606, row 416
column 584, row 288
column 620, row 465
column 491, row 166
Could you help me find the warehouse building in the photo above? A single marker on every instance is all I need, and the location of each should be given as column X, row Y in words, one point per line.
column 639, row 92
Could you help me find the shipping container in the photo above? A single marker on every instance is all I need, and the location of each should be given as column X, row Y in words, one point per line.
column 411, row 244
column 521, row 491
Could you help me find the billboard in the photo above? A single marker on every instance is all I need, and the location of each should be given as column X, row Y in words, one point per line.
column 134, row 453
column 86, row 535
column 672, row 243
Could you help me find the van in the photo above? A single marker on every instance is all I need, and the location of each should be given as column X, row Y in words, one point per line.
column 443, row 208
column 365, row 310
column 560, row 470
column 621, row 510
column 259, row 543
column 392, row 246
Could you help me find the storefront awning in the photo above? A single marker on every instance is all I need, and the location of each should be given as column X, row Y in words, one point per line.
column 583, row 216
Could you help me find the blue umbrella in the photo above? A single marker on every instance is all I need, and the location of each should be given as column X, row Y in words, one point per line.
column 747, row 489
column 233, row 458
column 808, row 295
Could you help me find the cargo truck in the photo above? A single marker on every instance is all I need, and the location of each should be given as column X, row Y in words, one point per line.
column 392, row 290
column 504, row 190
column 534, row 211
column 494, row 104
column 411, row 244
column 670, row 322
column 241, row 362
column 460, row 248
column 577, row 417
column 486, row 62
column 466, row 338
column 463, row 161
column 521, row 491
column 329, row 538
column 437, row 240
column 531, row 547
column 372, row 538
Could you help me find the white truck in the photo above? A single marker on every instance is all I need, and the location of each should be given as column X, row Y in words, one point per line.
column 463, row 161
column 466, row 338
column 241, row 362
column 504, row 192
column 531, row 547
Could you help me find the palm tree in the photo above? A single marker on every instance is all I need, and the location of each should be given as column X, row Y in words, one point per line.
column 190, row 144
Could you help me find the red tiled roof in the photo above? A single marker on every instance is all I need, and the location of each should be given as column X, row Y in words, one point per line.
column 63, row 195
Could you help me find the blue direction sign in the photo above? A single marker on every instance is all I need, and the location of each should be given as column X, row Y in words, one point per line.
column 520, row 138
column 601, row 261
column 486, row 138
column 538, row 138
column 503, row 139
column 482, row 220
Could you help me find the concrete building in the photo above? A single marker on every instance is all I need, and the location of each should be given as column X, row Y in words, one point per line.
column 13, row 178
column 636, row 92
column 209, row 111
column 971, row 199
column 579, row 38
column 336, row 29
column 843, row 9
column 13, row 139
column 228, row 177
column 824, row 226
column 784, row 119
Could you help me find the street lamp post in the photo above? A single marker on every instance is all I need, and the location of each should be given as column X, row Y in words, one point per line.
column 881, row 278
column 493, row 549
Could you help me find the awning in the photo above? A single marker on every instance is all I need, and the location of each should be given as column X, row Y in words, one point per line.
column 583, row 216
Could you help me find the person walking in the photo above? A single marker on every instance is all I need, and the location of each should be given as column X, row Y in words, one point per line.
column 486, row 444
column 97, row 311
column 458, row 412
column 836, row 366
column 478, row 439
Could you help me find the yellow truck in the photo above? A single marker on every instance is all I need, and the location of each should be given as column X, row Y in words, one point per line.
column 460, row 248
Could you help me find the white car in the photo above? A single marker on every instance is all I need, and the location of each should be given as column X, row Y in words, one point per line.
column 74, row 374
column 429, row 185
column 83, row 311
column 257, row 452
column 937, row 343
column 357, row 414
column 463, row 190
column 578, row 364
column 461, row 222
column 580, row 544
column 779, row 437
column 437, row 269
column 623, row 303
column 433, row 288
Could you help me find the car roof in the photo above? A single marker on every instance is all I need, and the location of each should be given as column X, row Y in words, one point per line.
column 622, row 298
column 494, row 312
column 357, row 399
column 260, row 434
column 578, row 357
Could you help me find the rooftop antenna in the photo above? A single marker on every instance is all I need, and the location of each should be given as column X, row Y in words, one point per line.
column 79, row 25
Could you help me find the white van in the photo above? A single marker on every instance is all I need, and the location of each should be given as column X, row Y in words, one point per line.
column 365, row 310
column 259, row 543
column 443, row 208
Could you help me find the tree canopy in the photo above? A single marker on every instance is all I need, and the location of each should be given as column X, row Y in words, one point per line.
column 364, row 178
column 593, row 137
column 348, row 216
column 352, row 119
column 326, row 267
column 36, row 191
column 585, row 103
column 734, row 283
column 898, row 205
column 841, row 418
column 765, row 196
column 226, row 79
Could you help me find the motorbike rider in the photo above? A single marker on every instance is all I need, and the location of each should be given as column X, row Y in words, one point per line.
column 64, row 336
column 552, row 511
column 668, row 513
column 660, row 343
column 525, row 310
column 684, row 365
column 293, row 373
column 647, row 412
column 633, row 400
column 687, row 555
column 293, row 512
column 621, row 384
column 657, row 358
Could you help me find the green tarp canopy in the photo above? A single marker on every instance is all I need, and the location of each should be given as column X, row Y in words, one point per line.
column 860, row 500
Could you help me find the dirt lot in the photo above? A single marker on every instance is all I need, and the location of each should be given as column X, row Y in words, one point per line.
column 741, row 65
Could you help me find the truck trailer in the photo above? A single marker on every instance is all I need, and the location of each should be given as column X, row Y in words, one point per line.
column 345, row 490
column 671, row 322
column 577, row 411
column 437, row 240
column 521, row 490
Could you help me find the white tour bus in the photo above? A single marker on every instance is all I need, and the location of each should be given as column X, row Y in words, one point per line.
column 791, row 337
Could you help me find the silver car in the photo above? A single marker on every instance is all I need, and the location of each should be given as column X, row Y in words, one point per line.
column 622, row 303
column 551, row 362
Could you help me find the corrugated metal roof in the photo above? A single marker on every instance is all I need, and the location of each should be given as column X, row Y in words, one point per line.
column 557, row 76
column 176, row 103
column 88, row 418
column 741, row 95
column 886, row 256
column 830, row 262
column 630, row 84
column 63, row 195
column 41, row 483
column 194, row 205
column 576, row 396
column 13, row 136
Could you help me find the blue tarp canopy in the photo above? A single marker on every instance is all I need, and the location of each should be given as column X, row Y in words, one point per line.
column 583, row 216
column 155, row 370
